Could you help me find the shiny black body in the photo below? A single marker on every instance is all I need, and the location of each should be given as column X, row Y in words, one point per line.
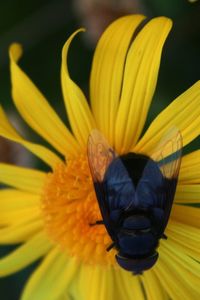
column 135, row 199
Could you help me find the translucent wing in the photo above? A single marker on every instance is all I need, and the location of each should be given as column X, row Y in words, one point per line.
column 109, row 172
column 160, row 176
column 168, row 154
column 100, row 155
column 170, row 167
column 113, row 185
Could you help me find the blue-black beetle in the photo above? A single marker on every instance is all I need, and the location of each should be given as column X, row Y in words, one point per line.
column 135, row 195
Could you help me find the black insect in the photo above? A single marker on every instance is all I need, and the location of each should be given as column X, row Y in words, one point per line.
column 135, row 195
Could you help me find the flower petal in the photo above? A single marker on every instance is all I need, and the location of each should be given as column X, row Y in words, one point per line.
column 89, row 281
column 131, row 287
column 186, row 215
column 11, row 199
column 189, row 194
column 183, row 268
column 19, row 216
column 107, row 71
column 140, row 77
column 25, row 179
column 52, row 278
column 190, row 168
column 35, row 109
column 24, row 255
column 65, row 297
column 9, row 132
column 78, row 110
column 167, row 281
column 172, row 279
column 187, row 237
column 18, row 210
column 114, row 284
column 183, row 113
column 152, row 286
column 19, row 233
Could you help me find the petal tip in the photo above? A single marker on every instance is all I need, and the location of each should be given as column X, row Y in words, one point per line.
column 69, row 40
column 15, row 51
column 163, row 21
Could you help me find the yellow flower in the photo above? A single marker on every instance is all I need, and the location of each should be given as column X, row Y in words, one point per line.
column 50, row 213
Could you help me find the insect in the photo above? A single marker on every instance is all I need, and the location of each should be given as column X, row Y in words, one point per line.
column 135, row 195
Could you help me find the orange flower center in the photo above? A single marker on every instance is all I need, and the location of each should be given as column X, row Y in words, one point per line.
column 70, row 206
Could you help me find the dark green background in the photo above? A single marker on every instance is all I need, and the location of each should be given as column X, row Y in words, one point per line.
column 43, row 26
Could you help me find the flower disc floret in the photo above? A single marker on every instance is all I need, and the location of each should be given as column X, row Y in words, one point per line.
column 70, row 208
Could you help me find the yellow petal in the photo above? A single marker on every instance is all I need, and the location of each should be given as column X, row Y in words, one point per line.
column 52, row 278
column 107, row 72
column 186, row 268
column 190, row 168
column 172, row 280
column 78, row 110
column 9, row 132
column 183, row 113
column 104, row 282
column 152, row 286
column 140, row 77
column 89, row 281
column 187, row 194
column 19, row 233
column 167, row 281
column 127, row 280
column 187, row 237
column 17, row 210
column 25, row 254
column 25, row 179
column 186, row 215
column 19, row 216
column 11, row 199
column 191, row 159
column 35, row 109
column 65, row 297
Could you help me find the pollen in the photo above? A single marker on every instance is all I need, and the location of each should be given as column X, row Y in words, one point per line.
column 70, row 210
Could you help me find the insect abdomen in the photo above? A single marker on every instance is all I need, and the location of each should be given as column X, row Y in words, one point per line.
column 136, row 237
column 137, row 265
column 137, row 244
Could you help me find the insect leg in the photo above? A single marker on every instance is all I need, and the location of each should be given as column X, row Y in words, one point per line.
column 164, row 237
column 99, row 222
column 110, row 247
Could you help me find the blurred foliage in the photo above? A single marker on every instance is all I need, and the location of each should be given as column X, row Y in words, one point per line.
column 43, row 26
